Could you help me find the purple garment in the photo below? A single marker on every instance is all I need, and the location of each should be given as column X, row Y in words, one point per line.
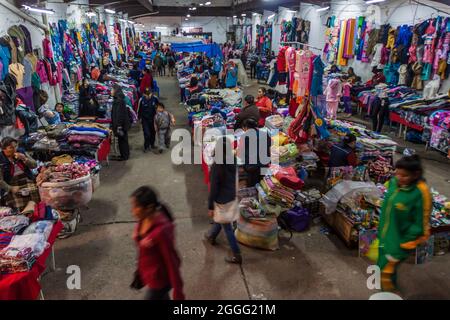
column 26, row 95
column 93, row 140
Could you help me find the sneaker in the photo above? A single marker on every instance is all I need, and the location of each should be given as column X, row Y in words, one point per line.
column 234, row 259
column 209, row 239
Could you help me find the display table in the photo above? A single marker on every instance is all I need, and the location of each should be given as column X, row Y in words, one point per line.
column 395, row 117
column 25, row 285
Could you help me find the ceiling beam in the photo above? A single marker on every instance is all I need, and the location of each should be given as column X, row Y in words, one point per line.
column 165, row 11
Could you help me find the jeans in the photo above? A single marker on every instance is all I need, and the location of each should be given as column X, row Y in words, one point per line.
column 157, row 294
column 124, row 147
column 252, row 71
column 182, row 95
column 228, row 229
column 164, row 138
column 148, row 128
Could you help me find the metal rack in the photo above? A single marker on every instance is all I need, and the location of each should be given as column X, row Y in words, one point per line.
column 301, row 44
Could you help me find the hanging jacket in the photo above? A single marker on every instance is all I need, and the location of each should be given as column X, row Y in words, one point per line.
column 281, row 60
column 41, row 71
column 28, row 46
column 5, row 59
column 8, row 101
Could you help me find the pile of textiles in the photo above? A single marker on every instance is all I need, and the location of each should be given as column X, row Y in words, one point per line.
column 309, row 160
column 284, row 155
column 287, row 176
column 440, row 118
column 440, row 215
column 231, row 97
column 309, row 199
column 380, row 170
column 22, row 242
column 6, row 211
column 63, row 173
column 275, row 193
column 374, row 148
column 250, row 208
column 337, row 174
column 419, row 111
column 86, row 134
column 275, row 122
column 397, row 94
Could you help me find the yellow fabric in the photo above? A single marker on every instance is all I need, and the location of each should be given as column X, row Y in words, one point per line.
column 62, row 159
column 18, row 71
column 341, row 60
column 280, row 139
column 373, row 252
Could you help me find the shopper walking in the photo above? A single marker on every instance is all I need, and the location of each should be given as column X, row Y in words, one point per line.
column 222, row 203
column 158, row 266
column 120, row 121
column 163, row 121
column 146, row 113
column 404, row 219
column 158, row 62
column 147, row 81
column 380, row 110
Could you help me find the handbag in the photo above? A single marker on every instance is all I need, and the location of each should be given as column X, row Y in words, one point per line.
column 226, row 213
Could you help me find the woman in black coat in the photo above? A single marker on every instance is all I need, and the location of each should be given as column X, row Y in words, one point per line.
column 380, row 111
column 88, row 103
column 120, row 121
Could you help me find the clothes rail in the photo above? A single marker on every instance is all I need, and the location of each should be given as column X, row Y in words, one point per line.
column 300, row 43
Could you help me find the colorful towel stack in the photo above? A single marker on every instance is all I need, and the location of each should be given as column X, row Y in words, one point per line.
column 276, row 193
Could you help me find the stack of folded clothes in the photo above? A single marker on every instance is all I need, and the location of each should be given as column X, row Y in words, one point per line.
column 250, row 208
column 276, row 193
column 275, row 122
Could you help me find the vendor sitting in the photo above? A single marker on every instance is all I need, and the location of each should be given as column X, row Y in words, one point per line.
column 17, row 182
column 264, row 104
column 63, row 116
column 343, row 155
column 51, row 116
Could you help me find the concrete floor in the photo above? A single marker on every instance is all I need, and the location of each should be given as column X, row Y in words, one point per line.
column 310, row 266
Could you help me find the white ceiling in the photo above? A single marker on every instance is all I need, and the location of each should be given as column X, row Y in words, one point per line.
column 186, row 3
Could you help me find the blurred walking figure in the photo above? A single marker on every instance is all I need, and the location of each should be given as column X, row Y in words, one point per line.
column 158, row 267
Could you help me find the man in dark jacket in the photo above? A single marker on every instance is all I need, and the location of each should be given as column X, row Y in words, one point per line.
column 343, row 155
column 120, row 122
column 250, row 111
column 146, row 113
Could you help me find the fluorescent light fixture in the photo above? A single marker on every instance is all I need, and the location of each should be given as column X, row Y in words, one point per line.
column 162, row 28
column 188, row 15
column 271, row 16
column 291, row 11
column 201, row 4
column 110, row 11
column 208, row 3
column 255, row 14
column 322, row 9
column 234, row 16
column 243, row 15
column 132, row 22
column 91, row 14
column 186, row 19
column 374, row 1
column 122, row 20
column 40, row 10
column 193, row 8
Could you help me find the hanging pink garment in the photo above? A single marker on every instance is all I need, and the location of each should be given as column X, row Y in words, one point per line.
column 290, row 61
column 305, row 74
column 47, row 46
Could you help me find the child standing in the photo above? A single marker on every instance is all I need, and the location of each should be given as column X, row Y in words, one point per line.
column 333, row 94
column 346, row 97
column 163, row 121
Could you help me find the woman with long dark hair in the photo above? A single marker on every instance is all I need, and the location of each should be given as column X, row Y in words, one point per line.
column 158, row 262
column 404, row 219
column 120, row 121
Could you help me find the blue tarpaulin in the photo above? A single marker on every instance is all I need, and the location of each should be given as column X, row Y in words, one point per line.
column 212, row 50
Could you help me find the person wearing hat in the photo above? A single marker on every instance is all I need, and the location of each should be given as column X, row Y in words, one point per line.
column 343, row 154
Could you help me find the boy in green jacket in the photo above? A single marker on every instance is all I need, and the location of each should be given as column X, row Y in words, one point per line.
column 404, row 219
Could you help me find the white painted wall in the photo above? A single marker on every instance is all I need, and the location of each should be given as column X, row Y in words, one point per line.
column 218, row 26
column 395, row 12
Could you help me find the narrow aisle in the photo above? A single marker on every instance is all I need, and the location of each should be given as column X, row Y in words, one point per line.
column 102, row 246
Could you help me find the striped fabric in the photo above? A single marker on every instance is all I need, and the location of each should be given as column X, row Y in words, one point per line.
column 261, row 233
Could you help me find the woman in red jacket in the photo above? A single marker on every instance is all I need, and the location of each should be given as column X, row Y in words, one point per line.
column 147, row 81
column 158, row 261
column 264, row 104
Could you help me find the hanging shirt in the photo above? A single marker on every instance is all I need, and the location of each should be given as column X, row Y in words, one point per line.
column 306, row 71
column 317, row 78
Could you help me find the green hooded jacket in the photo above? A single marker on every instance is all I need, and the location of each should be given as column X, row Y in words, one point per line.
column 405, row 218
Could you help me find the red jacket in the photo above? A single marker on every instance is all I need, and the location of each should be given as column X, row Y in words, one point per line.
column 158, row 261
column 146, row 82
